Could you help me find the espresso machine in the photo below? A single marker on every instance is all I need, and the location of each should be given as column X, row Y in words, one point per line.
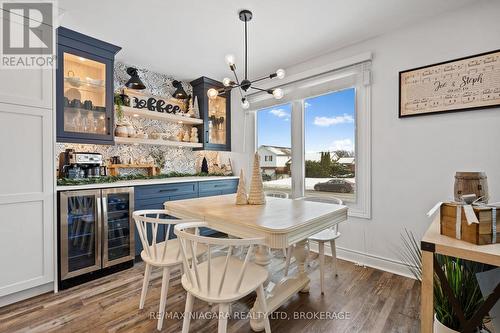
column 75, row 165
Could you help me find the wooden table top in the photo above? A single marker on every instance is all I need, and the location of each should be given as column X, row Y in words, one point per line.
column 277, row 215
column 488, row 254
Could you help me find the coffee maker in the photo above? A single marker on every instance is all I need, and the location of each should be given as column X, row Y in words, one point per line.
column 75, row 165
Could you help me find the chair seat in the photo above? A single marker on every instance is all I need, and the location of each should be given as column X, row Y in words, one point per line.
column 254, row 276
column 173, row 256
column 325, row 235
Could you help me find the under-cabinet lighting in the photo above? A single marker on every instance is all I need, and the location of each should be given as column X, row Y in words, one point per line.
column 136, row 115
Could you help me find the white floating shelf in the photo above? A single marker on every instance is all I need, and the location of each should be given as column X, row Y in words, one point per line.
column 133, row 112
column 137, row 141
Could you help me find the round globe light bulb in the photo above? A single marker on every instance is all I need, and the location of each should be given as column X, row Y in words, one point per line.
column 278, row 93
column 212, row 93
column 245, row 104
column 280, row 73
column 230, row 59
column 226, row 82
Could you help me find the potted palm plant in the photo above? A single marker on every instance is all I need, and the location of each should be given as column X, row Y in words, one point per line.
column 461, row 276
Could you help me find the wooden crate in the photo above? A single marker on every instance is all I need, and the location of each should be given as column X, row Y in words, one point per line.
column 113, row 169
column 476, row 233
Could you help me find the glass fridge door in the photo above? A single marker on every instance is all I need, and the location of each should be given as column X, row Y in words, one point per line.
column 80, row 234
column 119, row 241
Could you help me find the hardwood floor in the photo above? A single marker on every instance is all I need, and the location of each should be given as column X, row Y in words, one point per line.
column 372, row 300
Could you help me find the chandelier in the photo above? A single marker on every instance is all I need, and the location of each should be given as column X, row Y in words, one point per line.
column 245, row 84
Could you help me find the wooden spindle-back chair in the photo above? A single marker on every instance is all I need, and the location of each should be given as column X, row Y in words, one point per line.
column 153, row 228
column 219, row 279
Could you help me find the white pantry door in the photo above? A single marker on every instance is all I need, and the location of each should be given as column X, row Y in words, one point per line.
column 26, row 180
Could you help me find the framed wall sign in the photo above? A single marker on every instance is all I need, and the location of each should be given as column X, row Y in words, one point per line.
column 458, row 85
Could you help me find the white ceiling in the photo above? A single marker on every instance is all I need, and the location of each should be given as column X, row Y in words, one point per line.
column 187, row 39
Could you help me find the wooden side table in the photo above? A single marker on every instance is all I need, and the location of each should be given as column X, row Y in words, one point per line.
column 435, row 243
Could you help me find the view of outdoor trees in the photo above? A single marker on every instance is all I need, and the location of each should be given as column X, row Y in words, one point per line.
column 329, row 166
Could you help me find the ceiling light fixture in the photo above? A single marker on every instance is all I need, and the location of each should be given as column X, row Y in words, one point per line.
column 246, row 84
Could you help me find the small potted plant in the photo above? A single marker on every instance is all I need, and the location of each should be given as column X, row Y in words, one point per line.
column 121, row 129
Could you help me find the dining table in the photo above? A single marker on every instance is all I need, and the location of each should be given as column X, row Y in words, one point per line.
column 280, row 222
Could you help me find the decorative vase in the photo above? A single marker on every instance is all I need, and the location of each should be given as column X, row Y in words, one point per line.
column 121, row 131
column 131, row 131
column 440, row 328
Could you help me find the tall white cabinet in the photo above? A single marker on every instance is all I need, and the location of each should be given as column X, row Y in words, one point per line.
column 27, row 219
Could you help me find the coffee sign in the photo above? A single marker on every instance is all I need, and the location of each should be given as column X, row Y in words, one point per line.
column 456, row 85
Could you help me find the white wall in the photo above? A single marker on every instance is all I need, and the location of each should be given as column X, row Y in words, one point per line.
column 413, row 159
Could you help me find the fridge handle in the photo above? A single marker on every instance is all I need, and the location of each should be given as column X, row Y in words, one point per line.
column 99, row 205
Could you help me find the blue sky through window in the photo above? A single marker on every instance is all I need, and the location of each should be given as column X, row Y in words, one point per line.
column 329, row 124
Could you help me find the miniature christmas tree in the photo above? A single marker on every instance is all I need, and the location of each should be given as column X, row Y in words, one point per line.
column 204, row 165
column 196, row 109
column 256, row 196
column 241, row 194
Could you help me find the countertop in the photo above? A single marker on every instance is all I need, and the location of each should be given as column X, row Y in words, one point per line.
column 140, row 182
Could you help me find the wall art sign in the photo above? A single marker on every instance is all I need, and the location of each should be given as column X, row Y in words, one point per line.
column 139, row 100
column 458, row 85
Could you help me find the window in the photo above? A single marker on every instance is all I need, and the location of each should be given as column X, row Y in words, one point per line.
column 274, row 140
column 329, row 138
column 321, row 139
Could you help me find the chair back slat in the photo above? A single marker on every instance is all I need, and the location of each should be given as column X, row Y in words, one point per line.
column 228, row 257
column 243, row 268
column 214, row 275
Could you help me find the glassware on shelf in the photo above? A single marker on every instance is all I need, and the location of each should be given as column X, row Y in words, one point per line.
column 84, row 95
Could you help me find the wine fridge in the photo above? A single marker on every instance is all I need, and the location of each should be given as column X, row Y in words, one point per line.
column 96, row 234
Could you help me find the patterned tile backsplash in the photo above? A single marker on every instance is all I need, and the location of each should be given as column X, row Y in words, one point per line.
column 177, row 159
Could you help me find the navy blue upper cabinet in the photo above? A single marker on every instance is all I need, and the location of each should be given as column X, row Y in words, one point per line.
column 216, row 113
column 84, row 88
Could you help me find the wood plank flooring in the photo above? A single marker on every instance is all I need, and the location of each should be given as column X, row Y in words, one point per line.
column 372, row 300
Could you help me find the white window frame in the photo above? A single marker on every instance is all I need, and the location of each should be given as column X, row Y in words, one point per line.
column 356, row 76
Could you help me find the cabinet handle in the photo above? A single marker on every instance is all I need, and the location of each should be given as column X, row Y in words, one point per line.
column 169, row 190
column 219, row 185
column 109, row 126
column 206, row 136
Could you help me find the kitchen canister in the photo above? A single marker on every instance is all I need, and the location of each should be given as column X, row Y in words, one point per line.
column 471, row 183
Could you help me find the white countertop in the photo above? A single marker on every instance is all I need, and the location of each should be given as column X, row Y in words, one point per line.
column 140, row 182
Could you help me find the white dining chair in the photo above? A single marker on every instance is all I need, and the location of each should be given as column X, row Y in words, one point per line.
column 162, row 254
column 219, row 279
column 281, row 195
column 327, row 235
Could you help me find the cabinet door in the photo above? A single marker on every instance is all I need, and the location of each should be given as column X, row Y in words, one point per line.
column 84, row 97
column 30, row 87
column 26, row 198
column 118, row 227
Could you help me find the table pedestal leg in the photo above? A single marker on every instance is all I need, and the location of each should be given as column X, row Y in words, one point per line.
column 284, row 289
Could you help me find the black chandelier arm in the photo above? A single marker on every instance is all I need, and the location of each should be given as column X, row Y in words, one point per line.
column 269, row 91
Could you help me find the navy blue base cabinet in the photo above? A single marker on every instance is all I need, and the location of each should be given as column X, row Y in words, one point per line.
column 154, row 196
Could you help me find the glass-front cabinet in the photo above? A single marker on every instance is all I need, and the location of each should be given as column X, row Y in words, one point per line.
column 84, row 88
column 216, row 114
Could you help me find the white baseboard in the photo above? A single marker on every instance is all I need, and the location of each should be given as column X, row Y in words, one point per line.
column 25, row 294
column 366, row 259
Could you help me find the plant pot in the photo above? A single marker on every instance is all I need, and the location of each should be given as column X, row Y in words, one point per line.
column 440, row 328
